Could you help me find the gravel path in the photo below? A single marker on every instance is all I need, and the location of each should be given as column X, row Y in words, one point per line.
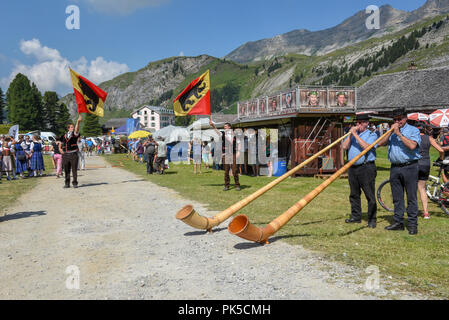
column 121, row 232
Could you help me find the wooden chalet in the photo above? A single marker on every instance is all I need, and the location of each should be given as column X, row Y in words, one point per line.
column 308, row 119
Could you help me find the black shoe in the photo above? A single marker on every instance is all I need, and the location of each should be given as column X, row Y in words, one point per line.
column 226, row 189
column 352, row 220
column 75, row 186
column 66, row 186
column 413, row 231
column 395, row 226
column 372, row 224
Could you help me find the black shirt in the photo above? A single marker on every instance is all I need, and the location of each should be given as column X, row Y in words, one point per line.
column 55, row 148
column 70, row 145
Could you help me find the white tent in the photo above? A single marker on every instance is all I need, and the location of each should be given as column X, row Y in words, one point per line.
column 202, row 123
column 204, row 135
column 179, row 134
column 172, row 134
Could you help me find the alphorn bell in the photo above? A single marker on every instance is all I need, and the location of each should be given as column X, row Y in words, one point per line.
column 242, row 227
column 189, row 216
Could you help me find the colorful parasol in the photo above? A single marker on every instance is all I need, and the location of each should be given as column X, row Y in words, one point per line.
column 139, row 134
column 440, row 118
column 418, row 116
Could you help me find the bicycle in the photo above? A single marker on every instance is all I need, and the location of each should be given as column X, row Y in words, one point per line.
column 436, row 190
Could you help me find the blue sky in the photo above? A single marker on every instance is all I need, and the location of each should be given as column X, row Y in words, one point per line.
column 118, row 36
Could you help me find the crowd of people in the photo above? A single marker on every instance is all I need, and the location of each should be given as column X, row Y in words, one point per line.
column 152, row 152
column 21, row 158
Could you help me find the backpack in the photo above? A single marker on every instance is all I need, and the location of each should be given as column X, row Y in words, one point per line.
column 150, row 149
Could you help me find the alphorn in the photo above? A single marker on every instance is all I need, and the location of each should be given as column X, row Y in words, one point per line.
column 242, row 227
column 189, row 216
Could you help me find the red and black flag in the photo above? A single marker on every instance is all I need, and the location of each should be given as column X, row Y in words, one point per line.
column 195, row 99
column 89, row 97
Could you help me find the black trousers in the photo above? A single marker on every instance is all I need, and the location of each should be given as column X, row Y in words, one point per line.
column 231, row 167
column 363, row 178
column 160, row 164
column 70, row 163
column 150, row 159
column 405, row 179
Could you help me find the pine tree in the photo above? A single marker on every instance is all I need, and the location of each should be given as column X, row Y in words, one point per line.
column 2, row 105
column 62, row 119
column 24, row 103
column 36, row 116
column 91, row 126
column 49, row 106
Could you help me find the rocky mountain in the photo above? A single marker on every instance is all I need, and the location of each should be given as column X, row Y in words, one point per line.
column 349, row 32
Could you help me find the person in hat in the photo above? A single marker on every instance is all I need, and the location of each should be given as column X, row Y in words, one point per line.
column 403, row 153
column 362, row 175
column 424, row 163
column 230, row 153
column 313, row 98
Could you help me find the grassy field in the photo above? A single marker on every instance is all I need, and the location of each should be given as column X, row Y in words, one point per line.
column 420, row 261
column 11, row 190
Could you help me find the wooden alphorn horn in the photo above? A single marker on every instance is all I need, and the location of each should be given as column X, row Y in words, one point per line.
column 242, row 227
column 189, row 216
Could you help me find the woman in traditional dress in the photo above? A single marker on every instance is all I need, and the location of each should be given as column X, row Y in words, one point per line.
column 6, row 158
column 37, row 160
column 21, row 158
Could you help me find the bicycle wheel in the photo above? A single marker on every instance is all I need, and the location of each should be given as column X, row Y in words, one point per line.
column 385, row 197
column 443, row 198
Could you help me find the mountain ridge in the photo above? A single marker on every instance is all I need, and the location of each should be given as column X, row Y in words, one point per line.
column 352, row 30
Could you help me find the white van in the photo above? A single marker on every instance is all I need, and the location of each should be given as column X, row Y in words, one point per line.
column 45, row 136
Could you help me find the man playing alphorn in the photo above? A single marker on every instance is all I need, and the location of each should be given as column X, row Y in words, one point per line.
column 403, row 153
column 362, row 175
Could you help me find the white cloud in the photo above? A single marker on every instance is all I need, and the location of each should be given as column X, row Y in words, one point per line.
column 123, row 6
column 51, row 71
column 42, row 53
column 181, row 54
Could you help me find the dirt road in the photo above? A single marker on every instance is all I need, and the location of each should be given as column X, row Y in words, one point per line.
column 120, row 232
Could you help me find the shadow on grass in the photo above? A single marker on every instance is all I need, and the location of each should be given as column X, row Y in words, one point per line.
column 230, row 187
column 352, row 231
column 203, row 232
column 317, row 222
column 22, row 215
column 166, row 173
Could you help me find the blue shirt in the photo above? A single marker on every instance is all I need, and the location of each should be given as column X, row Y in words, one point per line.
column 355, row 148
column 397, row 152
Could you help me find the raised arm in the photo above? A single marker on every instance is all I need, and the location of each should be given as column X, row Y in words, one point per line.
column 213, row 126
column 77, row 126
